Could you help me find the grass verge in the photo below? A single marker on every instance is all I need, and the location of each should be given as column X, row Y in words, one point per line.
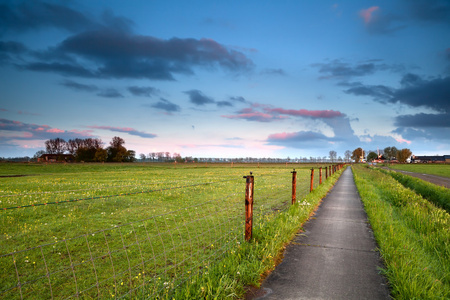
column 413, row 236
column 438, row 195
column 251, row 261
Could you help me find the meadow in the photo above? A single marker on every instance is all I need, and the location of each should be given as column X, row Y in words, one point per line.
column 433, row 169
column 413, row 234
column 146, row 230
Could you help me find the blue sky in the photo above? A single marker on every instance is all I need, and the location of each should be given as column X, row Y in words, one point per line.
column 227, row 78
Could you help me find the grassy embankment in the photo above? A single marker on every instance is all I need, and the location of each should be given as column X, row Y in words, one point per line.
column 413, row 236
column 164, row 221
column 433, row 169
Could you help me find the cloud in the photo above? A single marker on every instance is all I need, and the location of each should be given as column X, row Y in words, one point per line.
column 277, row 72
column 378, row 92
column 266, row 113
column 145, row 91
column 198, row 98
column 109, row 53
column 33, row 15
column 110, row 93
column 79, row 86
column 108, row 47
column 166, row 105
column 424, row 135
column 337, row 69
column 300, row 140
column 366, row 14
column 429, row 10
column 423, row 120
column 238, row 99
column 24, row 131
column 250, row 114
column 128, row 130
column 224, row 103
column 306, row 113
column 378, row 22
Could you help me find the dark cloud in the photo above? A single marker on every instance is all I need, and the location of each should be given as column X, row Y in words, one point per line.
column 110, row 93
column 128, row 130
column 32, row 15
column 25, row 131
column 278, row 72
column 65, row 69
column 166, row 105
column 429, row 10
column 434, row 93
column 145, row 91
column 79, row 86
column 340, row 70
column 238, row 99
column 224, row 103
column 424, row 135
column 118, row 54
column 10, row 50
column 414, row 91
column 378, row 92
column 423, row 120
column 198, row 98
column 300, row 140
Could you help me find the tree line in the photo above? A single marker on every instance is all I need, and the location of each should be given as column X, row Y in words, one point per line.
column 90, row 149
column 386, row 154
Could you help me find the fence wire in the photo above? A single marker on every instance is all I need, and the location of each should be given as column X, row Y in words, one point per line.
column 146, row 258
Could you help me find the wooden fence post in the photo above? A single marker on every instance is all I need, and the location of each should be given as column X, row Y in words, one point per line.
column 326, row 173
column 320, row 175
column 312, row 180
column 249, row 206
column 294, row 185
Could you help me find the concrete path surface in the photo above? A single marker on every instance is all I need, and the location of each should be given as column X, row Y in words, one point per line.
column 335, row 257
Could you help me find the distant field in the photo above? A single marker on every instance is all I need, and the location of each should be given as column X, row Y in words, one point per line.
column 433, row 169
column 91, row 225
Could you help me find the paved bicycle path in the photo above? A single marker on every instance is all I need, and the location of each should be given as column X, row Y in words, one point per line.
column 335, row 257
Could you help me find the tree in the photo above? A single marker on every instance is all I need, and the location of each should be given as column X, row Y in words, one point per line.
column 372, row 156
column 117, row 151
column 55, row 146
column 348, row 155
column 101, row 155
column 38, row 154
column 333, row 155
column 358, row 154
column 403, row 155
column 142, row 156
column 390, row 152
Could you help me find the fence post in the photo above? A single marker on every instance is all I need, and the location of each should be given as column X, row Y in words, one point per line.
column 249, row 206
column 312, row 180
column 326, row 173
column 294, row 185
column 320, row 175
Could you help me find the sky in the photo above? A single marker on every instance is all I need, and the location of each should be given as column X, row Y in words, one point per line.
column 226, row 78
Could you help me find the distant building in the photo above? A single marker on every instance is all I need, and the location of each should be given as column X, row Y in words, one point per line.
column 430, row 159
column 56, row 158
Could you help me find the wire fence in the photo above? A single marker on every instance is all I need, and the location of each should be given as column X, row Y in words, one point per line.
column 142, row 258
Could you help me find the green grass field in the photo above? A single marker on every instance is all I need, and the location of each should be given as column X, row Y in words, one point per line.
column 433, row 169
column 412, row 233
column 123, row 230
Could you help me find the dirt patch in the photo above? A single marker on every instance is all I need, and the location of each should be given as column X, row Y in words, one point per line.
column 4, row 176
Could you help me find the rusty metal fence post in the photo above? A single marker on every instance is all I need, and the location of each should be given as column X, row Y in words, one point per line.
column 294, row 185
column 312, row 180
column 249, row 206
column 320, row 175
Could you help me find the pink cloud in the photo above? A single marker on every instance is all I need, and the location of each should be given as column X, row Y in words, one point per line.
column 366, row 14
column 55, row 130
column 307, row 113
column 400, row 140
column 282, row 136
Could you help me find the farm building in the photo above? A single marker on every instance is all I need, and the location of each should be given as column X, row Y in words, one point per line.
column 56, row 158
column 430, row 159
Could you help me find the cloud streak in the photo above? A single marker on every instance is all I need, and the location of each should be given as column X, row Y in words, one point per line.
column 130, row 131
